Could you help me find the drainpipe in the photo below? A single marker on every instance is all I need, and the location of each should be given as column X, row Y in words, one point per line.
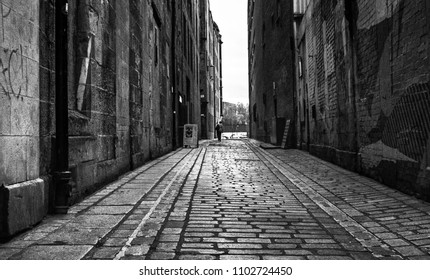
column 62, row 174
column 220, row 77
column 173, row 62
column 214, row 78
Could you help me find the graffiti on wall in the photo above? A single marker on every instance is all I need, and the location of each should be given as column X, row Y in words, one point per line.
column 396, row 121
column 13, row 76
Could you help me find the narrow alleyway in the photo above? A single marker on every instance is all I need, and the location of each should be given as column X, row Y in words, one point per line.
column 235, row 200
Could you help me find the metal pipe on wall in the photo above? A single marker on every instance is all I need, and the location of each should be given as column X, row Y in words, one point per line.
column 62, row 174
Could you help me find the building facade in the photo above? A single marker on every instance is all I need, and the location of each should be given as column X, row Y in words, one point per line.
column 271, row 71
column 187, row 97
column 210, row 71
column 90, row 90
column 363, row 88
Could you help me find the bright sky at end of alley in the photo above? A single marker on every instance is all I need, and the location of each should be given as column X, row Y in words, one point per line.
column 231, row 18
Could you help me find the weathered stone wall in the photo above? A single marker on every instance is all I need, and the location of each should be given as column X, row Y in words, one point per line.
column 366, row 78
column 120, row 102
column 271, row 70
column 23, row 192
column 98, row 93
column 19, row 91
column 187, row 61
column 206, row 71
column 123, row 106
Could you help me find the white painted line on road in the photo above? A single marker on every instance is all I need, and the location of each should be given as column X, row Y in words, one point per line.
column 151, row 211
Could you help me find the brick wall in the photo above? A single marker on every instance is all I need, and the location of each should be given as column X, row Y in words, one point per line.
column 393, row 91
column 367, row 79
column 271, row 71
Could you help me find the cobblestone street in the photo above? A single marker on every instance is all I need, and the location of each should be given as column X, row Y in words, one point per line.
column 234, row 200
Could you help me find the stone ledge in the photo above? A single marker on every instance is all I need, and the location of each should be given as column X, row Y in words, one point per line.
column 23, row 205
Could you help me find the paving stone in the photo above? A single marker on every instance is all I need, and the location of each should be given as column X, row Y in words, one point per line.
column 284, row 258
column 166, row 246
column 217, row 240
column 6, row 253
column 17, row 244
column 297, row 252
column 409, row 251
column 321, row 246
column 396, row 242
column 162, row 256
column 255, row 252
column 197, row 257
column 111, row 210
column 239, row 246
column 282, row 246
column 199, row 234
column 106, row 253
column 329, row 258
column 169, row 237
column 238, row 257
column 328, row 252
column 201, row 251
column 49, row 252
column 199, row 245
column 319, row 241
column 75, row 235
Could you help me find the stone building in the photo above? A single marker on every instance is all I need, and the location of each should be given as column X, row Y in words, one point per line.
column 186, row 60
column 210, row 71
column 271, row 71
column 363, row 87
column 89, row 90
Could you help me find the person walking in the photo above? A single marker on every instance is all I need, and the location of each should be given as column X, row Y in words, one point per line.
column 219, row 130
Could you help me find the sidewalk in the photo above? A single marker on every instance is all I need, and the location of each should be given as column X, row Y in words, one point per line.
column 234, row 200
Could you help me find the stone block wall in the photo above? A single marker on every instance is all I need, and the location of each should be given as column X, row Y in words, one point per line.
column 21, row 103
column 120, row 105
column 19, row 91
column 122, row 110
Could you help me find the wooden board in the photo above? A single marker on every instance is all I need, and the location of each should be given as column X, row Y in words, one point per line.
column 285, row 137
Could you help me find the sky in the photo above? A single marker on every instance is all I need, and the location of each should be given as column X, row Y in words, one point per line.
column 231, row 18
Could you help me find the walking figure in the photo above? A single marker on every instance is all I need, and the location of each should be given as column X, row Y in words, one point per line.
column 218, row 129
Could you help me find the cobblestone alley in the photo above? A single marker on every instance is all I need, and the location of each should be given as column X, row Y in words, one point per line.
column 234, row 200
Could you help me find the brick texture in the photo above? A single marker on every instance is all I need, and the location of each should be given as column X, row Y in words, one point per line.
column 271, row 72
column 367, row 80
